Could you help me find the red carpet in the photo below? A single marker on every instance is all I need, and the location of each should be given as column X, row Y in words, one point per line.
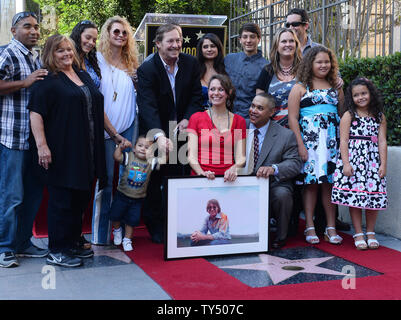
column 197, row 279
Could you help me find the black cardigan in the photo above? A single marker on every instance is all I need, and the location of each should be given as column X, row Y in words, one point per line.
column 62, row 105
column 155, row 98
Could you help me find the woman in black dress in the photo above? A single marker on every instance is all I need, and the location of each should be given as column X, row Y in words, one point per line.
column 66, row 113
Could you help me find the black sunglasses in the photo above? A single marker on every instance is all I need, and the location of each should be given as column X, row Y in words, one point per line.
column 294, row 24
column 117, row 32
column 22, row 15
column 86, row 22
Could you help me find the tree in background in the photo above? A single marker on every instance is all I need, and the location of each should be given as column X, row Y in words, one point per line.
column 221, row 7
column 68, row 12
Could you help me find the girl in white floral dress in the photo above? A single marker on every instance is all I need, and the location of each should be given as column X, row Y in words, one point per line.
column 359, row 179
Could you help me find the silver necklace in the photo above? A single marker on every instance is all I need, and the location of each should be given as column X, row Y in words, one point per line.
column 286, row 71
column 112, row 83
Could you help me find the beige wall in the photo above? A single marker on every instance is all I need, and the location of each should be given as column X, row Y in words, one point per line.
column 7, row 11
column 389, row 220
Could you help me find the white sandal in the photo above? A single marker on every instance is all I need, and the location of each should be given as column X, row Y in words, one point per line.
column 311, row 239
column 332, row 239
column 360, row 244
column 372, row 243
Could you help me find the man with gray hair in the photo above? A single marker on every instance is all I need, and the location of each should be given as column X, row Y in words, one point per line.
column 298, row 20
column 169, row 92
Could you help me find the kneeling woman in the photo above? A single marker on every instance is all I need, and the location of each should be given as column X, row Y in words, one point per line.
column 216, row 137
column 67, row 124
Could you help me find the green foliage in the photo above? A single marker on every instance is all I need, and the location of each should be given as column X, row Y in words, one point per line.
column 70, row 12
column 385, row 72
column 221, row 7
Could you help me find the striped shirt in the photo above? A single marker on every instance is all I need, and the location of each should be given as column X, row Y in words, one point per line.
column 16, row 63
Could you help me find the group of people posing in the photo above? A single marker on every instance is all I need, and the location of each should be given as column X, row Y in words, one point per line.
column 67, row 118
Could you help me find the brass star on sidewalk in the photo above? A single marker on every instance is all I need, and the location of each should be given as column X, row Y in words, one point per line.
column 199, row 34
column 280, row 269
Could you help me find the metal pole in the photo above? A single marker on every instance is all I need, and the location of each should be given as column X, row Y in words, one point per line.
column 229, row 26
column 324, row 22
column 384, row 29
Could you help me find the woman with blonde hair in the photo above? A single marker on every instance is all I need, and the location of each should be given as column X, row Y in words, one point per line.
column 278, row 77
column 66, row 113
column 117, row 58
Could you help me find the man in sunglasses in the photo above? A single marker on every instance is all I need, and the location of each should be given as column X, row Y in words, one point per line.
column 20, row 194
column 169, row 92
column 298, row 20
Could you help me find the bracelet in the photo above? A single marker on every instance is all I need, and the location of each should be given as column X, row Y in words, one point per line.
column 117, row 134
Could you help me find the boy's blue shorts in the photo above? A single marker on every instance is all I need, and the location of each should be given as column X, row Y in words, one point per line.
column 126, row 209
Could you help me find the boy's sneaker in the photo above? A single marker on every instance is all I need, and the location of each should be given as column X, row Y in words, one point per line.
column 118, row 236
column 64, row 260
column 8, row 260
column 33, row 252
column 82, row 253
column 127, row 244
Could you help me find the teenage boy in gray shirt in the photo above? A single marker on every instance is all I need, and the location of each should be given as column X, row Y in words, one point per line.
column 244, row 68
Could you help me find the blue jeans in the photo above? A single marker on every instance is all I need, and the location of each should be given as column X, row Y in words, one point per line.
column 20, row 197
column 101, row 226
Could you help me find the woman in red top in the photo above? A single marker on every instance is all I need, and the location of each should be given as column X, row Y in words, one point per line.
column 216, row 137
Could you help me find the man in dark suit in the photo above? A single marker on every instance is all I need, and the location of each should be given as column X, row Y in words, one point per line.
column 169, row 92
column 272, row 153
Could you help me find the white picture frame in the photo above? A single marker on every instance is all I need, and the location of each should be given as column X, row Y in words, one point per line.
column 245, row 203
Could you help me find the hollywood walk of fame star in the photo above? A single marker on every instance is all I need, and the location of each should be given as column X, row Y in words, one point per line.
column 274, row 267
column 199, row 34
column 186, row 39
column 111, row 252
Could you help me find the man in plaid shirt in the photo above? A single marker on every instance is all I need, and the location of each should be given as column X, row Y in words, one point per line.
column 20, row 194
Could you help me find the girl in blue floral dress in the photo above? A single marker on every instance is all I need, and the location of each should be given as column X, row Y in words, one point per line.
column 359, row 179
column 313, row 116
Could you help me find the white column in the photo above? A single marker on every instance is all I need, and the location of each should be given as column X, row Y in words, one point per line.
column 7, row 11
column 20, row 5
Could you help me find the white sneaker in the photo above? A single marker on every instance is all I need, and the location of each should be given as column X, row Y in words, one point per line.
column 118, row 236
column 127, row 244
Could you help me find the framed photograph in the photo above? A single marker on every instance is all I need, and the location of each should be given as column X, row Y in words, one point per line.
column 213, row 217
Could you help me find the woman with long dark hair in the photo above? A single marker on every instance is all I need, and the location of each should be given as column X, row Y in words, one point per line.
column 209, row 53
column 85, row 36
